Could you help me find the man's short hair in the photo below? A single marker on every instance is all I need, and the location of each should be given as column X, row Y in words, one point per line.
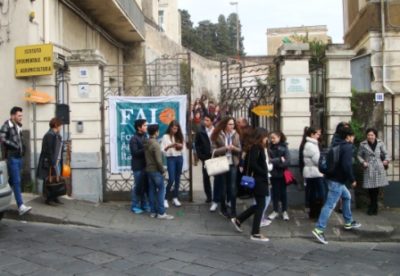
column 15, row 109
column 55, row 122
column 152, row 129
column 139, row 123
column 346, row 131
column 209, row 116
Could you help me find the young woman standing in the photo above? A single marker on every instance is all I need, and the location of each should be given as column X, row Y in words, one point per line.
column 173, row 147
column 226, row 141
column 279, row 157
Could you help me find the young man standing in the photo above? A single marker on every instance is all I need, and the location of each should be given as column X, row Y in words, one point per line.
column 337, row 186
column 203, row 149
column 155, row 172
column 11, row 136
column 138, row 164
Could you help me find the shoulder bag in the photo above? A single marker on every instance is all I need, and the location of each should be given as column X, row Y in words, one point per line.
column 55, row 186
column 218, row 165
column 247, row 180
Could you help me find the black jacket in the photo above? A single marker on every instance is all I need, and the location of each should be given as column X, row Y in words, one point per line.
column 276, row 151
column 12, row 140
column 257, row 166
column 138, row 162
column 48, row 155
column 344, row 171
column 203, row 145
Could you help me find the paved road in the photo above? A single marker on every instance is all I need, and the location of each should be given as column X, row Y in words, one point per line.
column 46, row 249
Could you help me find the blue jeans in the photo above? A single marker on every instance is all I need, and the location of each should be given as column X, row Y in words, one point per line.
column 156, row 192
column 139, row 191
column 279, row 193
column 336, row 191
column 14, row 166
column 174, row 167
column 227, row 182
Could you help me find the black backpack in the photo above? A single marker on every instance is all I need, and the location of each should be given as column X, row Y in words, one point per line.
column 329, row 160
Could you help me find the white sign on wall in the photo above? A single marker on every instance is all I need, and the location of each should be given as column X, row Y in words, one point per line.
column 379, row 97
column 83, row 90
column 296, row 85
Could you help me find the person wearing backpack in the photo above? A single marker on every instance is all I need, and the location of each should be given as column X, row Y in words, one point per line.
column 342, row 173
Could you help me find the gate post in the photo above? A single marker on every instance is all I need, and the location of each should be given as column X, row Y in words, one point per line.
column 294, row 81
column 338, row 87
column 86, row 124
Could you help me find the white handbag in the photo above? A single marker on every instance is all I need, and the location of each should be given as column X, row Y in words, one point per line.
column 218, row 165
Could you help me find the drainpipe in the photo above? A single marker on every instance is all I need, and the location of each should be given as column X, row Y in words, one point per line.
column 384, row 84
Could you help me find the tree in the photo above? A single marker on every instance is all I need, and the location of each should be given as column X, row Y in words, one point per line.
column 209, row 39
column 223, row 41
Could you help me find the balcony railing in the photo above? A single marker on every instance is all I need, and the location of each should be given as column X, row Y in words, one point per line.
column 134, row 13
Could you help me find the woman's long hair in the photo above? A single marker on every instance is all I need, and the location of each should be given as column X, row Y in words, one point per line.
column 256, row 138
column 282, row 137
column 178, row 135
column 221, row 127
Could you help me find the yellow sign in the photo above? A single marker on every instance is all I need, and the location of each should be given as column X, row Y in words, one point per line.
column 34, row 60
column 35, row 96
column 264, row 110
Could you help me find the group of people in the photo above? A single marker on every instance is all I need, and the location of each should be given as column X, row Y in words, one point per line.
column 250, row 152
column 149, row 193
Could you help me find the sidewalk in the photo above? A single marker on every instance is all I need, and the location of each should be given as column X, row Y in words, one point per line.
column 195, row 218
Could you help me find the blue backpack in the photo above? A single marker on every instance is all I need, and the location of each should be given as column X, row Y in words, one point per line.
column 329, row 160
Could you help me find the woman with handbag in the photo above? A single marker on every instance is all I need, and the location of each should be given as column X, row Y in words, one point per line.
column 50, row 159
column 173, row 147
column 279, row 157
column 226, row 142
column 256, row 165
column 374, row 158
column 315, row 190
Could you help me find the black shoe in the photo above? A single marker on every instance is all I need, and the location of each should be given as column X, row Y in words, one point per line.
column 208, row 200
column 225, row 214
column 49, row 202
column 57, row 201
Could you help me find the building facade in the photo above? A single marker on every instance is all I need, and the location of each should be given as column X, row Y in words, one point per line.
column 372, row 30
column 87, row 37
column 275, row 36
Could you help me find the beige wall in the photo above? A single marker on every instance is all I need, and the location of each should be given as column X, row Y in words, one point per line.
column 172, row 19
column 205, row 73
column 275, row 36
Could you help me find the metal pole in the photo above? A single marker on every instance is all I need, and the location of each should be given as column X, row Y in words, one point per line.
column 34, row 139
column 189, row 91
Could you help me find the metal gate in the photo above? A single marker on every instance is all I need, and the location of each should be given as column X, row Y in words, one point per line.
column 244, row 87
column 318, row 100
column 164, row 76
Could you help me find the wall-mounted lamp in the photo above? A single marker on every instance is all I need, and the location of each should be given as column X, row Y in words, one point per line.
column 79, row 126
column 31, row 16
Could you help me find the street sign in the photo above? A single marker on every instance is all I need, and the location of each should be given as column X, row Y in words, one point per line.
column 264, row 110
column 35, row 96
column 379, row 97
column 34, row 60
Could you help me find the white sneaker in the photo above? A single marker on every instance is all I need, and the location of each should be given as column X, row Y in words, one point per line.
column 285, row 216
column 273, row 215
column 165, row 216
column 24, row 209
column 166, row 205
column 176, row 202
column 259, row 237
column 153, row 215
column 265, row 222
column 213, row 207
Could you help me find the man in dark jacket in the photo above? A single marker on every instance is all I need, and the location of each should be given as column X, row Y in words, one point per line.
column 138, row 164
column 337, row 189
column 11, row 137
column 203, row 149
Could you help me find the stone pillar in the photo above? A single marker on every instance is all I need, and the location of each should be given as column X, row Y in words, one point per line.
column 338, row 86
column 85, row 101
column 294, row 91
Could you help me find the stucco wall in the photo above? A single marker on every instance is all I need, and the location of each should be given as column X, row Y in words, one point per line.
column 205, row 73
